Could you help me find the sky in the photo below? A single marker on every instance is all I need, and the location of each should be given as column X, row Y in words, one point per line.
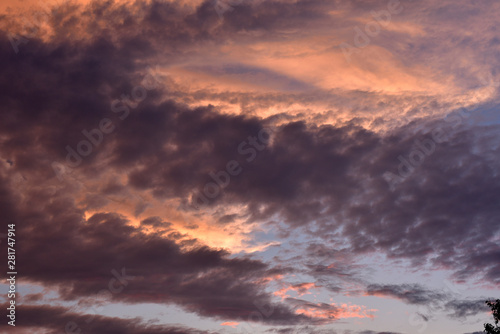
column 250, row 166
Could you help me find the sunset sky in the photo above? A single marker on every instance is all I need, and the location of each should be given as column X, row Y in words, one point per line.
column 251, row 166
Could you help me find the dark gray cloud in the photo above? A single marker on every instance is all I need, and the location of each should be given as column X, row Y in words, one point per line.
column 55, row 319
column 463, row 308
column 409, row 293
column 323, row 177
column 130, row 265
column 421, row 218
column 436, row 300
column 137, row 267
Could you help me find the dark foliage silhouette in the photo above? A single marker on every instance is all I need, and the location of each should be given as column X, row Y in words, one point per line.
column 495, row 309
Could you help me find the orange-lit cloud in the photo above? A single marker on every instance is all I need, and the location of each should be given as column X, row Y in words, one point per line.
column 300, row 289
column 230, row 324
column 332, row 311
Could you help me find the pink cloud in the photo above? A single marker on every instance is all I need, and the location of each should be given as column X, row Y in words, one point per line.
column 230, row 324
column 334, row 312
column 301, row 289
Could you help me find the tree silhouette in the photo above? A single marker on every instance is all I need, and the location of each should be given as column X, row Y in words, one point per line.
column 495, row 309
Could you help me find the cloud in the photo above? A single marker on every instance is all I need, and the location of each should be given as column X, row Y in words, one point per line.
column 326, row 313
column 233, row 324
column 55, row 319
column 409, row 293
column 300, row 289
column 418, row 295
column 465, row 308
column 304, row 329
column 156, row 146
column 372, row 332
column 335, row 131
column 138, row 267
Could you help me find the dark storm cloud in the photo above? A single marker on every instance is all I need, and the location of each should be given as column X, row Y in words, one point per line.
column 103, row 257
column 338, row 172
column 324, row 177
column 87, row 76
column 134, row 267
column 327, row 178
column 57, row 320
column 82, row 258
